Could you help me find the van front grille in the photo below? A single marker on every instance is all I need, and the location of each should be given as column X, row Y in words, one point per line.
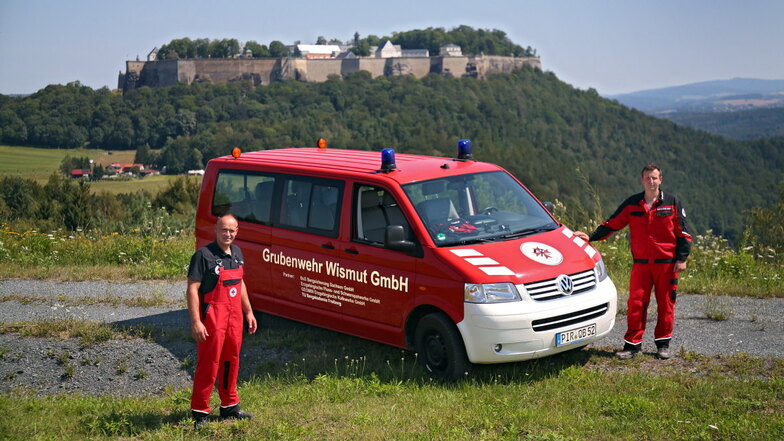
column 548, row 289
column 569, row 319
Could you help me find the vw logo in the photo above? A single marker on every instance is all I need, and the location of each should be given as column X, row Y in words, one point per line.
column 564, row 284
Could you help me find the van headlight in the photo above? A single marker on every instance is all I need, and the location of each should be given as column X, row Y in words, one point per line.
column 491, row 293
column 601, row 270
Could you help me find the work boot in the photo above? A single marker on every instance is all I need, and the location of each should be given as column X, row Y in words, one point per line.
column 629, row 351
column 199, row 419
column 234, row 412
column 663, row 351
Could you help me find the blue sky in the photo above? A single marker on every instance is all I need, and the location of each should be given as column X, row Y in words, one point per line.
column 614, row 46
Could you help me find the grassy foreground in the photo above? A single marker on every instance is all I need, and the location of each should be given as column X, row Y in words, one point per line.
column 582, row 395
column 335, row 387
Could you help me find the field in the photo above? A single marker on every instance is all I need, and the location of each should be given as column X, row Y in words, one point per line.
column 337, row 387
column 39, row 163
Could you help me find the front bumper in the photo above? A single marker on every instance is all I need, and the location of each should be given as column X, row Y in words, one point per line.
column 505, row 332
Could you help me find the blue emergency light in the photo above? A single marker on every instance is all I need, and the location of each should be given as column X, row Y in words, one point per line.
column 464, row 149
column 388, row 160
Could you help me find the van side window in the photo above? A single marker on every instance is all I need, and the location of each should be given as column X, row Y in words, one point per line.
column 312, row 205
column 375, row 209
column 248, row 196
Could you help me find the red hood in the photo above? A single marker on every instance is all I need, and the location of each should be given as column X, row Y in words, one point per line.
column 538, row 257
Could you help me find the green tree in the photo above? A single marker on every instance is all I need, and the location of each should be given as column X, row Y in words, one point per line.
column 79, row 202
column 20, row 196
column 258, row 50
column 98, row 172
column 278, row 49
column 765, row 230
column 225, row 48
column 361, row 49
column 186, row 122
column 143, row 155
column 180, row 196
column 12, row 129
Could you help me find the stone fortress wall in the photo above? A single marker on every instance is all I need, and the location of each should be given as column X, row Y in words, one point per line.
column 263, row 71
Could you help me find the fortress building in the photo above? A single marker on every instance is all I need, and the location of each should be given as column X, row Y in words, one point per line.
column 386, row 60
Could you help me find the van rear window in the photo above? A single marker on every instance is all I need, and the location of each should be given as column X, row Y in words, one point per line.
column 247, row 196
column 305, row 204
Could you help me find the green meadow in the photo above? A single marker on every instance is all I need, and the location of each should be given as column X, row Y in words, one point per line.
column 39, row 163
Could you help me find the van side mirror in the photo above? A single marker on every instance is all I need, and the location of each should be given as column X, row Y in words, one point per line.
column 395, row 239
column 549, row 206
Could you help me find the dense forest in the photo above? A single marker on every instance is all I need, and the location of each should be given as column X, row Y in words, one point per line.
column 472, row 42
column 564, row 143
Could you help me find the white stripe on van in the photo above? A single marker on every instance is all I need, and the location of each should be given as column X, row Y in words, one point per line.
column 497, row 271
column 466, row 252
column 476, row 261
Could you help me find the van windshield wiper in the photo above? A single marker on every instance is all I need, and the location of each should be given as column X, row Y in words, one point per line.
column 475, row 240
column 526, row 232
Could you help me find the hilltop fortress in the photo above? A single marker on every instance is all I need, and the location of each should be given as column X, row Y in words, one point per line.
column 315, row 66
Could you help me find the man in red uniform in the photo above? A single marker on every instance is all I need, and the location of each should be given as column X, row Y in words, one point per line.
column 660, row 243
column 218, row 305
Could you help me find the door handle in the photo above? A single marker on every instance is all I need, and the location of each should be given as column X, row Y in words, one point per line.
column 327, row 246
column 352, row 251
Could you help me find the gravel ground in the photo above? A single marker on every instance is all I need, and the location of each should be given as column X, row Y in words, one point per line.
column 137, row 366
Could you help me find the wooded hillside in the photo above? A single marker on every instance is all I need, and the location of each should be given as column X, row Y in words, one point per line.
column 562, row 142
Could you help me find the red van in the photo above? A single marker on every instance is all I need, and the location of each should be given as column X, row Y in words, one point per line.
column 452, row 258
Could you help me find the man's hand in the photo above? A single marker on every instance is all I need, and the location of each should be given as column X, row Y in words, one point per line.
column 680, row 266
column 251, row 320
column 199, row 332
column 581, row 235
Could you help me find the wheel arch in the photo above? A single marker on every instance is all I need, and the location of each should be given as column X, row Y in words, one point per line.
column 416, row 315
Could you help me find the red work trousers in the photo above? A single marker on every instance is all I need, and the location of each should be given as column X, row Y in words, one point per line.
column 664, row 279
column 218, row 357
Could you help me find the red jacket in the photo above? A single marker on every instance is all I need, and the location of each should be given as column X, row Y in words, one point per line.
column 660, row 235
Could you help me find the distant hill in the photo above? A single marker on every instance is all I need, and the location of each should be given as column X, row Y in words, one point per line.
column 708, row 96
column 740, row 125
column 741, row 108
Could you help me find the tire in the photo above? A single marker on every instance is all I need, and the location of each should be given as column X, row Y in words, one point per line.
column 440, row 348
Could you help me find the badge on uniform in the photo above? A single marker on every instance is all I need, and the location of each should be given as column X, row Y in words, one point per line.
column 233, row 292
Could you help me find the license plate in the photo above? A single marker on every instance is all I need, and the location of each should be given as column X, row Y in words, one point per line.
column 575, row 335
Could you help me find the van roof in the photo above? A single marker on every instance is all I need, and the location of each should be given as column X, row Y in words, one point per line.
column 410, row 168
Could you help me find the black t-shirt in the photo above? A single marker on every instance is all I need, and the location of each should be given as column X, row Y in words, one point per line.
column 204, row 261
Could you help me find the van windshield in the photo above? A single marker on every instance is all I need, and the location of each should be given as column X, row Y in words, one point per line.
column 480, row 207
